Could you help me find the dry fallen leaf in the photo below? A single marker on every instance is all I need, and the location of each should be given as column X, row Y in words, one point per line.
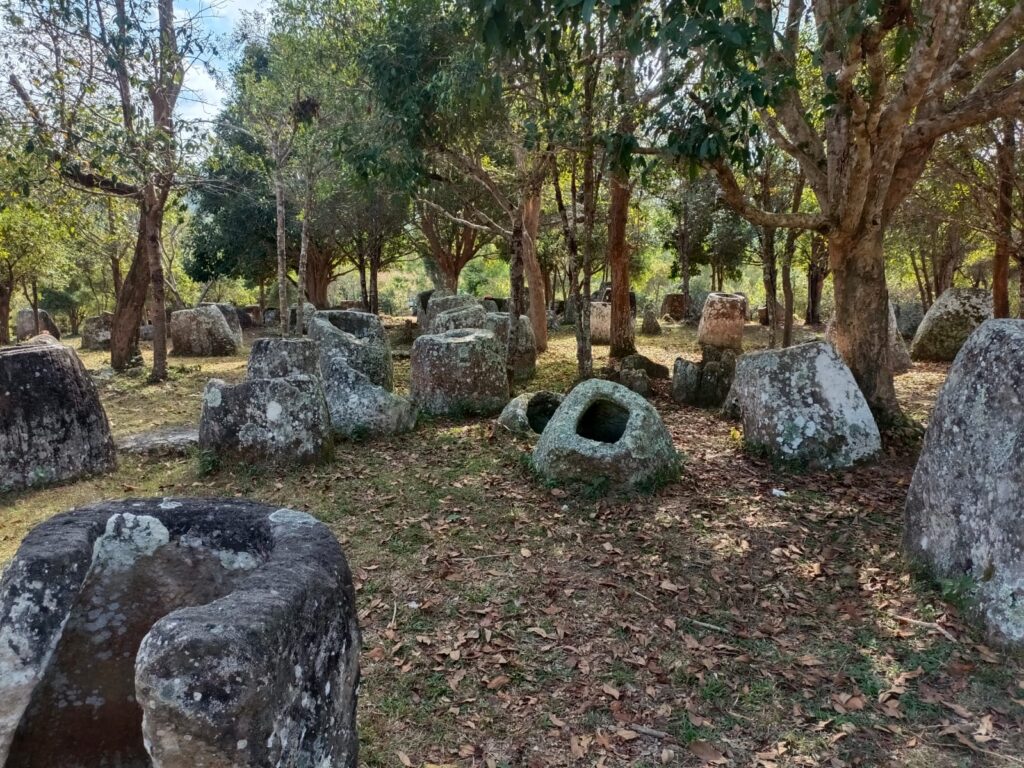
column 706, row 752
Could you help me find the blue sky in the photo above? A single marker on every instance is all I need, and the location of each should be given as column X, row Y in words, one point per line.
column 201, row 98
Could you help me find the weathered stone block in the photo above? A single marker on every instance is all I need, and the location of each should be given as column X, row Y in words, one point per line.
column 524, row 357
column 203, row 332
column 266, row 420
column 722, row 320
column 278, row 358
column 459, row 372
column 362, row 343
column 25, row 324
column 472, row 316
column 529, row 413
column 604, row 432
column 950, row 320
column 177, row 633
column 802, row 404
column 52, row 425
column 96, row 332
column 964, row 515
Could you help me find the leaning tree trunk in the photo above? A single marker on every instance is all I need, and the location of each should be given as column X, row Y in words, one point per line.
column 303, row 260
column 534, row 274
column 862, row 318
column 124, row 328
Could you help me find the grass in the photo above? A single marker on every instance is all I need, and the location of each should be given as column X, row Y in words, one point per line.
column 498, row 612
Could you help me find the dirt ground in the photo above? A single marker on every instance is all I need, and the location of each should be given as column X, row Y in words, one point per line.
column 738, row 616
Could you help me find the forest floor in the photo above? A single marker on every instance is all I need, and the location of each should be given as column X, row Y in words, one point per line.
column 739, row 616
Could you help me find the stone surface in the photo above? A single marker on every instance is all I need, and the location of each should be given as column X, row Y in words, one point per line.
column 278, row 358
column 964, row 516
column 472, row 316
column 266, row 420
column 801, row 404
column 441, row 302
column 638, row 362
column 524, row 357
column 25, row 324
column 489, row 305
column 650, row 325
column 358, row 406
column 459, row 372
column 948, row 323
column 230, row 312
column 52, row 425
column 178, row 633
column 705, row 384
column 675, row 305
column 603, row 432
column 600, row 322
column 96, row 332
column 146, row 332
column 168, row 441
column 909, row 315
column 368, row 353
column 899, row 355
column 203, row 332
column 722, row 320
column 636, row 379
column 529, row 413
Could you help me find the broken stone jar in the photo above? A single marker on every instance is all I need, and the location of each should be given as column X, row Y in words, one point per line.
column 178, row 633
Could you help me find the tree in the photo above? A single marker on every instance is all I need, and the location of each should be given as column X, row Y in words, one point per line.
column 99, row 83
column 861, row 117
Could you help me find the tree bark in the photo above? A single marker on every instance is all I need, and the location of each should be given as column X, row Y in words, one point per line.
column 769, row 276
column 622, row 325
column 1005, row 156
column 303, row 257
column 152, row 218
column 375, row 260
column 282, row 254
column 534, row 275
column 862, row 318
column 5, row 315
column 515, row 305
column 35, row 306
column 124, row 329
column 318, row 277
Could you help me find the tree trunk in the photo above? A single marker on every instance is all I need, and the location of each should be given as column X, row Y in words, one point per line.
column 5, row 314
column 35, row 306
column 574, row 299
column 374, row 296
column 534, row 275
column 817, row 271
column 152, row 217
column 515, row 305
column 124, row 329
column 1005, row 152
column 769, row 276
column 303, row 259
column 282, row 255
column 364, row 290
column 622, row 341
column 787, row 288
column 449, row 278
column 862, row 318
column 318, row 277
